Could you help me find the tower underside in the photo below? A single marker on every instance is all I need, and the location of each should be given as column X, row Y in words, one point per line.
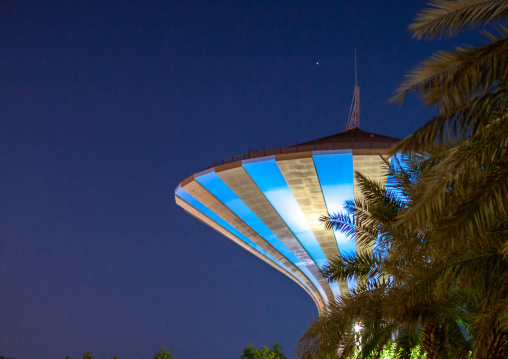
column 270, row 205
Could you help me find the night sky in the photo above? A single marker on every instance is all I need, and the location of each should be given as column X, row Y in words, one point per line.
column 105, row 106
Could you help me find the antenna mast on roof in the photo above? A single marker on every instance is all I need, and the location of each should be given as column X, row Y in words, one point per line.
column 354, row 112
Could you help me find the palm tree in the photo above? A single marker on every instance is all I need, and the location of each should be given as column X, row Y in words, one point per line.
column 439, row 273
column 468, row 189
column 419, row 286
column 397, row 299
column 452, row 79
column 470, row 86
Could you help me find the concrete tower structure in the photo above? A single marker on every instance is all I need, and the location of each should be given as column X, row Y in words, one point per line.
column 269, row 202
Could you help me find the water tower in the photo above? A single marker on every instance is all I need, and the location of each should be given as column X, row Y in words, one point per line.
column 268, row 201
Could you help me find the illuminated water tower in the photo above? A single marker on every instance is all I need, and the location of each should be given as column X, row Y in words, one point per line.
column 269, row 201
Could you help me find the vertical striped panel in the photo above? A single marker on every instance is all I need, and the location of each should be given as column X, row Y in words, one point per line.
column 335, row 173
column 301, row 177
column 244, row 187
column 226, row 195
column 269, row 179
column 370, row 166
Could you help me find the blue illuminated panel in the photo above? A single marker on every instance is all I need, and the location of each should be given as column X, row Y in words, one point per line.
column 271, row 182
column 335, row 173
column 215, row 185
column 207, row 212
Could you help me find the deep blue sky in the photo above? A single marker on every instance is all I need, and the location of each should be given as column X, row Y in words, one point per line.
column 105, row 106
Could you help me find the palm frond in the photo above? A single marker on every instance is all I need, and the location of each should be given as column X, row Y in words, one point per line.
column 474, row 171
column 448, row 17
column 451, row 79
column 469, row 119
column 353, row 266
column 358, row 225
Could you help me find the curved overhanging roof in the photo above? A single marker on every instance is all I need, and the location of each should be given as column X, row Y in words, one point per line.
column 269, row 202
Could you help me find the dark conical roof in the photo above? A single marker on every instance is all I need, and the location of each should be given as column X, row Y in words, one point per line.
column 356, row 137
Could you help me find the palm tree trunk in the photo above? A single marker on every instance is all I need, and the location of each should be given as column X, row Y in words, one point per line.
column 431, row 343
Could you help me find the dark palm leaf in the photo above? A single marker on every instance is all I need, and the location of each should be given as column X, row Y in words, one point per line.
column 452, row 79
column 353, row 266
column 448, row 17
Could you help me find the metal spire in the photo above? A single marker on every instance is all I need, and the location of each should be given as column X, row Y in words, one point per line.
column 354, row 112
